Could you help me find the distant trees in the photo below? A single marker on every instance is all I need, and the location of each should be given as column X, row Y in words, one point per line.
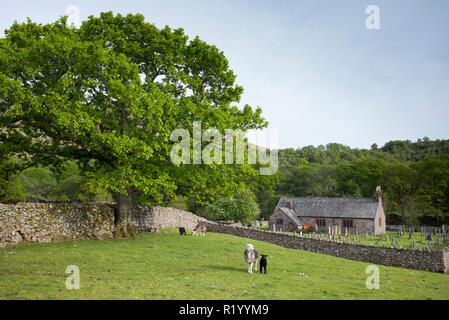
column 415, row 151
column 45, row 184
column 10, row 184
column 416, row 191
column 432, row 189
column 399, row 185
column 334, row 153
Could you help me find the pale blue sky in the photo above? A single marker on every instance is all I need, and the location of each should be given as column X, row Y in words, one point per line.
column 318, row 73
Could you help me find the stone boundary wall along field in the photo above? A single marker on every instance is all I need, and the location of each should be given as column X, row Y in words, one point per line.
column 147, row 217
column 48, row 222
column 435, row 261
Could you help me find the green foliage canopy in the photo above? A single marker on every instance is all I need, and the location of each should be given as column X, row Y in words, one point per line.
column 109, row 94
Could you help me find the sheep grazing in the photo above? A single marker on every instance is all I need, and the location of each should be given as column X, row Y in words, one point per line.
column 263, row 263
column 251, row 256
column 199, row 229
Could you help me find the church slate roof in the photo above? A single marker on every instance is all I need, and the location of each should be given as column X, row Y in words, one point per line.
column 353, row 208
column 291, row 214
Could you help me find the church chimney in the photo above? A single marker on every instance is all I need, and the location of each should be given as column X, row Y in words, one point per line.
column 288, row 204
column 379, row 194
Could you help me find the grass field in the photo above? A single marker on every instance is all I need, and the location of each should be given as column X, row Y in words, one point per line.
column 167, row 266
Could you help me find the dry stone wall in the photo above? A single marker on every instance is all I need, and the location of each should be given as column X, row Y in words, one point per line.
column 45, row 222
column 435, row 261
column 49, row 222
column 148, row 217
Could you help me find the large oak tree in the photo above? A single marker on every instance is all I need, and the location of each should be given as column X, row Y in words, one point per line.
column 108, row 95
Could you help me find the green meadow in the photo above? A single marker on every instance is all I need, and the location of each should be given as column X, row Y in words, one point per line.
column 167, row 266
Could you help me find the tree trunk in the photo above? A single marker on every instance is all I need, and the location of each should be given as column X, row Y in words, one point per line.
column 123, row 225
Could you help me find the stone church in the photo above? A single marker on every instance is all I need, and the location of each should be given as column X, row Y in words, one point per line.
column 332, row 215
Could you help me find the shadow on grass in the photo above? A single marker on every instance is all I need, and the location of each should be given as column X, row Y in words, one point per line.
column 242, row 269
